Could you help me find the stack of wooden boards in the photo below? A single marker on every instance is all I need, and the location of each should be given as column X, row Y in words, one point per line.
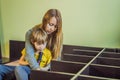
column 83, row 63
column 78, row 63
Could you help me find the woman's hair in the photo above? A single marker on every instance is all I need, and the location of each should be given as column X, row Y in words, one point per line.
column 55, row 40
column 38, row 35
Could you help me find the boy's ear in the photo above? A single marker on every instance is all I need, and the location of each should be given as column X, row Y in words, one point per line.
column 31, row 41
column 55, row 29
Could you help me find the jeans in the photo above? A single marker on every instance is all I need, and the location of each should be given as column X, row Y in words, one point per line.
column 22, row 72
column 5, row 70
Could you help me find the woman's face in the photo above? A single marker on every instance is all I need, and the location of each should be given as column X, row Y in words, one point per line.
column 51, row 26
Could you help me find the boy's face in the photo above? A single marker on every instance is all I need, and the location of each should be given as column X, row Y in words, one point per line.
column 39, row 47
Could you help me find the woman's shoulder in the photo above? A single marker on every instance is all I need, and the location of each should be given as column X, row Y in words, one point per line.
column 28, row 32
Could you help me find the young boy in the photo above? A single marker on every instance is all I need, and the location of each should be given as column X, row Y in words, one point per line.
column 38, row 40
column 43, row 56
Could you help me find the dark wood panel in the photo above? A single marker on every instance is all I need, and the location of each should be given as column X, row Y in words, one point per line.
column 103, row 71
column 15, row 49
column 49, row 75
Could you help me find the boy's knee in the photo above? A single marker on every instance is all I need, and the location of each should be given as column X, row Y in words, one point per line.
column 18, row 69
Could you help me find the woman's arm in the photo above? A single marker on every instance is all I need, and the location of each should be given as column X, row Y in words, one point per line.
column 30, row 52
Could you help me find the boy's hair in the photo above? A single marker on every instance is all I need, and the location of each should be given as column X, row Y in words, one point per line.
column 38, row 35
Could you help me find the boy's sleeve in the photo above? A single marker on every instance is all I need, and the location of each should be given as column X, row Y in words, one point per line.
column 23, row 52
column 49, row 59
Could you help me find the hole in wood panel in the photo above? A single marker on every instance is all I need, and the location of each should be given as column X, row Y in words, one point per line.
column 70, row 48
column 67, row 67
column 107, row 61
column 114, row 50
column 86, row 77
column 87, row 53
column 102, row 71
column 110, row 55
column 76, row 58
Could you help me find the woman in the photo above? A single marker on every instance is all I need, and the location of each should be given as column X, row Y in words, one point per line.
column 52, row 24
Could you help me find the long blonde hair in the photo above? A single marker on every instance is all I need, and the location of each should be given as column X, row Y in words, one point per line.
column 55, row 39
